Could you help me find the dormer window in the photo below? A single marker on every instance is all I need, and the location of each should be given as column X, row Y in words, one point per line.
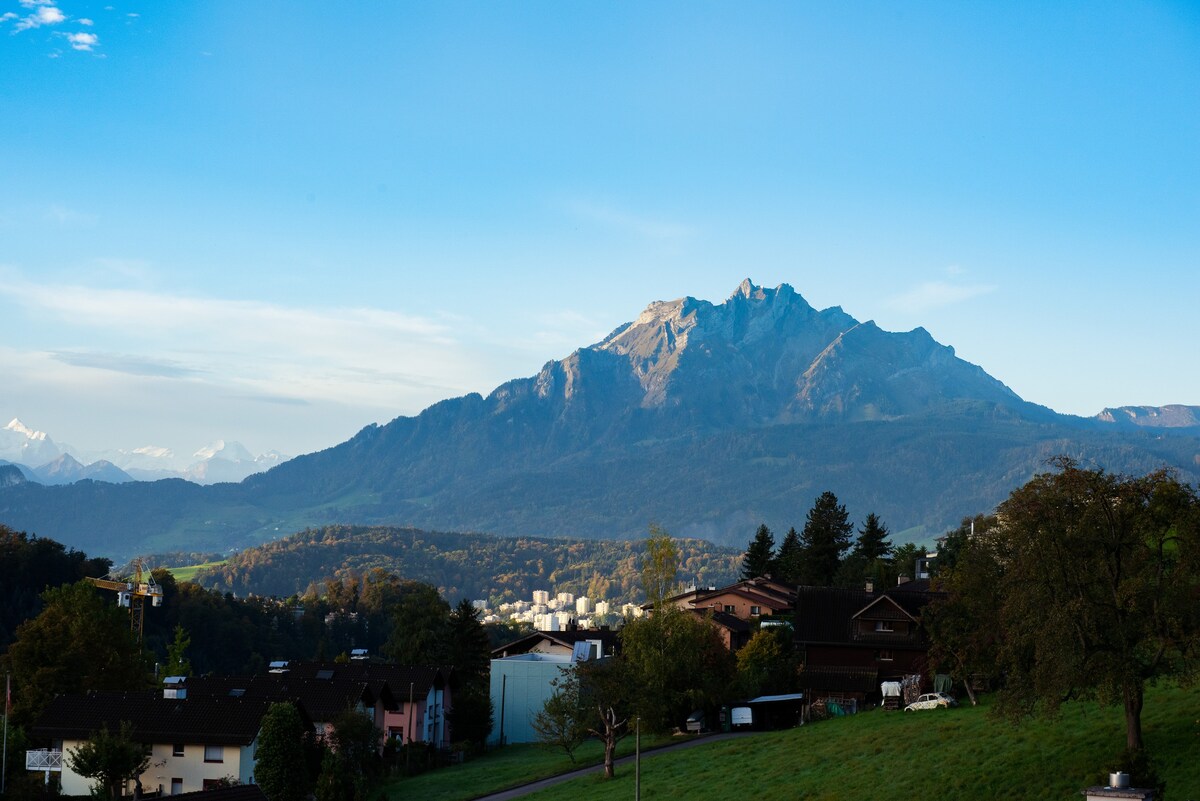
column 884, row 626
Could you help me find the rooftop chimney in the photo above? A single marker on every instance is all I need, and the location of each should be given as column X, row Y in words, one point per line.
column 870, row 585
column 902, row 579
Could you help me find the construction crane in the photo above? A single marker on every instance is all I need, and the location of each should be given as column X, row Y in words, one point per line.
column 132, row 593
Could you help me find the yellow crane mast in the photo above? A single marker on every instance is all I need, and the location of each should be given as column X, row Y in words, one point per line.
column 132, row 593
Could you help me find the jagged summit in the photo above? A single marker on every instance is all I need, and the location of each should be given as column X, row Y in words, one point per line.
column 16, row 426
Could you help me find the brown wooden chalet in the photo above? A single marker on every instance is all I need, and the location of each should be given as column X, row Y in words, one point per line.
column 851, row 640
column 748, row 599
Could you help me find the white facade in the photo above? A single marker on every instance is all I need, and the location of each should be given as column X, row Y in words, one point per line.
column 583, row 605
column 541, row 597
column 175, row 767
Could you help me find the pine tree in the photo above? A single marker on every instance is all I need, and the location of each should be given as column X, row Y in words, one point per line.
column 872, row 542
column 789, row 563
column 760, row 554
column 825, row 538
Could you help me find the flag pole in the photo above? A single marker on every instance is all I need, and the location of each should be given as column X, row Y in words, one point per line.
column 4, row 759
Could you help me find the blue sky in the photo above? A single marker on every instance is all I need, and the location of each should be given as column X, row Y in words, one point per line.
column 278, row 222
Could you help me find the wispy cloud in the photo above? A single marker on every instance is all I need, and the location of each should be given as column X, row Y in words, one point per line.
column 124, row 363
column 354, row 355
column 936, row 294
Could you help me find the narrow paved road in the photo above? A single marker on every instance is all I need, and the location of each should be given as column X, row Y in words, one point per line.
column 525, row 789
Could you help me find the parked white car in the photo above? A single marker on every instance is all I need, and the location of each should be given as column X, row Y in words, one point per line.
column 931, row 701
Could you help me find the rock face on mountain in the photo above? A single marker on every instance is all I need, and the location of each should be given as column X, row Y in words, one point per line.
column 1174, row 416
column 706, row 418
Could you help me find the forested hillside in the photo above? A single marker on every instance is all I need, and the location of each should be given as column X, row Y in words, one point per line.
column 459, row 565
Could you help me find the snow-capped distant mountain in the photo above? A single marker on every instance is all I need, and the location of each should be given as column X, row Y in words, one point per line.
column 22, row 445
column 229, row 461
column 44, row 461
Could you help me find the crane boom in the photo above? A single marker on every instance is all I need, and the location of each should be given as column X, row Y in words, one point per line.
column 132, row 593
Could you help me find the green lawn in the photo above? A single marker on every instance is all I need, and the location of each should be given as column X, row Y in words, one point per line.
column 950, row 754
column 188, row 573
column 505, row 767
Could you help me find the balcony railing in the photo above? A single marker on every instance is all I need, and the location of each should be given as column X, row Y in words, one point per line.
column 43, row 759
column 887, row 637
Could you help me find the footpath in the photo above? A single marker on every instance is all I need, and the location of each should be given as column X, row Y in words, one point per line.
column 541, row 784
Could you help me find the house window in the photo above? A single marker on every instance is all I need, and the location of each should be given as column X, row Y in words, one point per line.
column 730, row 608
column 214, row 753
column 212, row 784
column 884, row 655
column 756, row 610
column 177, row 749
column 884, row 625
column 176, row 786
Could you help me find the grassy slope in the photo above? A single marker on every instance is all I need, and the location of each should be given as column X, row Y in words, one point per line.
column 944, row 754
column 504, row 768
column 188, row 573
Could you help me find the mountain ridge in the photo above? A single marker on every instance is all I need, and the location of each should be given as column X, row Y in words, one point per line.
column 706, row 418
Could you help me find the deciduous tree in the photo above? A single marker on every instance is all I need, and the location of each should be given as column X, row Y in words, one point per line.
column 79, row 639
column 660, row 566
column 1101, row 574
column 111, row 758
column 281, row 765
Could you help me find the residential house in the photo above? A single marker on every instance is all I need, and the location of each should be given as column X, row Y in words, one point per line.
column 851, row 640
column 733, row 630
column 749, row 599
column 194, row 743
column 520, row 686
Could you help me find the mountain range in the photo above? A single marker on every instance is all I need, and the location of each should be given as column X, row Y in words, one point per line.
column 41, row 459
column 705, row 418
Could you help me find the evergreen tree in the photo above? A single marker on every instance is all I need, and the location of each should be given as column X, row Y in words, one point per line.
column 177, row 662
column 789, row 563
column 825, row 538
column 872, row 542
column 760, row 554
column 469, row 651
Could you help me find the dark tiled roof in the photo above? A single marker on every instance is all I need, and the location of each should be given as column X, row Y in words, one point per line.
column 770, row 599
column 725, row 620
column 227, row 721
column 609, row 640
column 324, row 699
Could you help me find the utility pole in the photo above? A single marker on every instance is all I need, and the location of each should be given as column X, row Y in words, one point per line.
column 637, row 759
column 408, row 750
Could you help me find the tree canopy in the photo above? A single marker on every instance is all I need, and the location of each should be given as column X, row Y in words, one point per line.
column 79, row 639
column 111, row 758
column 660, row 566
column 1096, row 579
